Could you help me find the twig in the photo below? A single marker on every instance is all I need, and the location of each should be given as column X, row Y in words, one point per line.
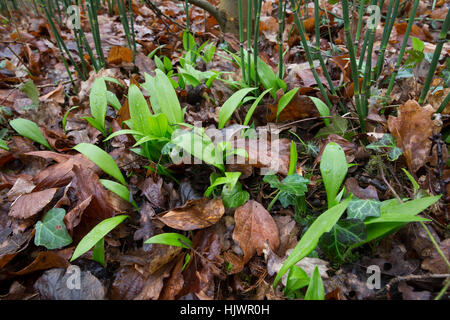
column 160, row 14
column 411, row 277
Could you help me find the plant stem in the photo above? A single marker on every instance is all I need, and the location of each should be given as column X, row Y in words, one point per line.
column 281, row 18
column 385, row 39
column 403, row 48
column 360, row 15
column 435, row 60
column 258, row 4
column 302, row 32
column 444, row 104
column 241, row 41
column 351, row 50
column 249, row 40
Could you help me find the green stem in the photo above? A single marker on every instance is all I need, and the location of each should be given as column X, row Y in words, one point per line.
column 249, row 40
column 241, row 41
column 281, row 17
column 257, row 5
column 403, row 48
column 351, row 51
column 435, row 60
column 302, row 32
column 444, row 104
column 438, row 249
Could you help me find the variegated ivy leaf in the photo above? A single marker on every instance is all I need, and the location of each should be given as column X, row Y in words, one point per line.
column 51, row 232
column 361, row 209
column 394, row 153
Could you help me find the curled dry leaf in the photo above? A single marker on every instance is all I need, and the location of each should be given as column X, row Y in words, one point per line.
column 45, row 260
column 352, row 186
column 175, row 282
column 127, row 284
column 412, row 129
column 195, row 214
column 254, row 227
column 30, row 204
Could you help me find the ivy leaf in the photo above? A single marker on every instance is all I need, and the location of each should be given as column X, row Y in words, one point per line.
column 294, row 184
column 51, row 232
column 361, row 209
column 236, row 197
column 386, row 141
column 394, row 153
column 343, row 234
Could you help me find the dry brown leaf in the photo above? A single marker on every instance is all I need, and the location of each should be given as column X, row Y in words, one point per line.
column 253, row 227
column 45, row 260
column 195, row 214
column 435, row 263
column 117, row 55
column 352, row 186
column 175, row 282
column 412, row 129
column 30, row 204
column 127, row 284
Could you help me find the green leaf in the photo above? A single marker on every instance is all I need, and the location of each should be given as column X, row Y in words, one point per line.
column 98, row 102
column 250, row 112
column 98, row 253
column 171, row 239
column 96, row 234
column 344, row 234
column 119, row 189
column 125, row 131
column 30, row 89
column 113, row 101
column 394, row 153
column 231, row 178
column 64, row 120
column 412, row 180
column 285, row 99
column 158, row 124
column 403, row 212
column 315, row 290
column 338, row 126
column 386, row 141
column 297, row 279
column 51, row 232
column 236, row 197
column 417, row 44
column 139, row 111
column 3, row 145
column 333, row 167
column 323, row 109
column 293, row 184
column 293, row 158
column 103, row 160
column 226, row 111
column 310, row 239
column 167, row 98
column 361, row 209
column 29, row 130
column 267, row 77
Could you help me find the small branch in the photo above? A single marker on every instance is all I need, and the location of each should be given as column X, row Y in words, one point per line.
column 205, row 5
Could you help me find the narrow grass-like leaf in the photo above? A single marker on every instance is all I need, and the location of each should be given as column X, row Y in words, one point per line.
column 103, row 160
column 96, row 234
column 250, row 112
column 285, row 99
column 171, row 239
column 30, row 130
column 226, row 111
column 324, row 111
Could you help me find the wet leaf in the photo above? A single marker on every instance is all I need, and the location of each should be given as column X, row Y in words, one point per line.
column 254, row 227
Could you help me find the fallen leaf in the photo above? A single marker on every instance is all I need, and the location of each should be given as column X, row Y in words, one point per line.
column 52, row 285
column 30, row 204
column 352, row 186
column 117, row 55
column 45, row 260
column 195, row 214
column 127, row 284
column 253, row 227
column 175, row 282
column 412, row 129
column 408, row 292
column 435, row 263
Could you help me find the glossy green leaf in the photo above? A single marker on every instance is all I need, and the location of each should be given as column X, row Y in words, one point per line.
column 98, row 253
column 139, row 110
column 3, row 144
column 29, row 130
column 113, row 101
column 310, row 239
column 250, row 112
column 297, row 279
column 98, row 102
column 333, row 167
column 226, row 111
column 171, row 239
column 315, row 290
column 96, row 234
column 236, row 197
column 119, row 189
column 103, row 160
column 293, row 158
column 167, row 98
column 344, row 234
column 51, row 232
column 361, row 209
column 323, row 109
column 285, row 99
